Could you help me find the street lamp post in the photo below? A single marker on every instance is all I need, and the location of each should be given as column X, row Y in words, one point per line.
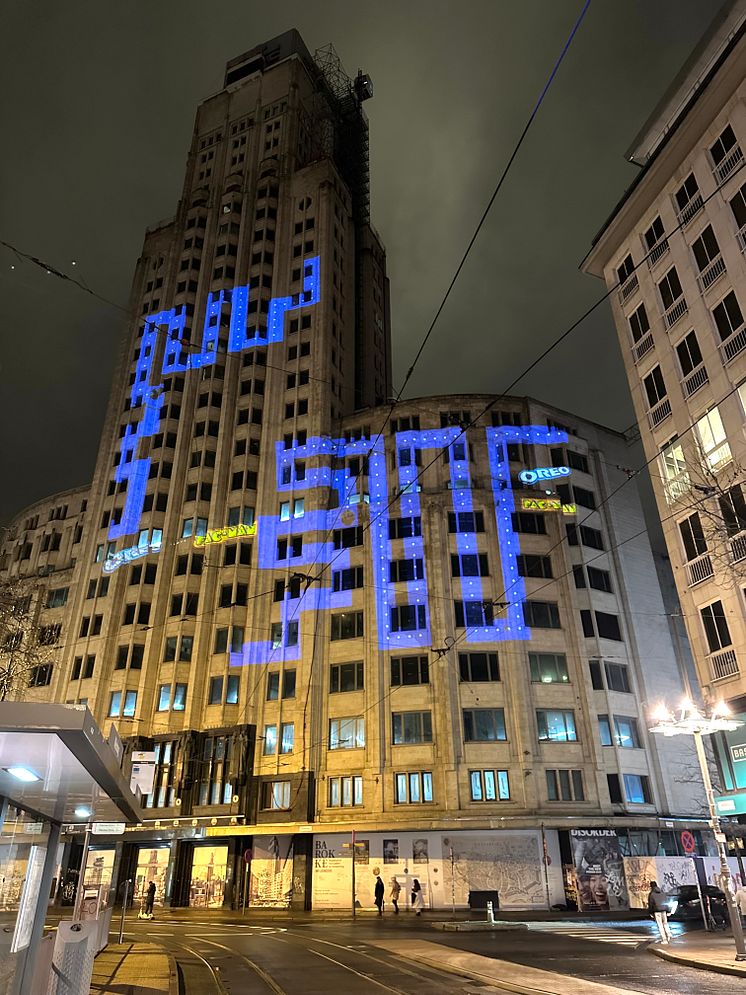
column 691, row 722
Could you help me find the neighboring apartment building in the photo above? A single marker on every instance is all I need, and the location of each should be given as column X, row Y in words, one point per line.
column 672, row 255
column 303, row 625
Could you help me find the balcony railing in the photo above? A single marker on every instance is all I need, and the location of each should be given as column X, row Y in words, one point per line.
column 726, row 166
column 657, row 252
column 690, row 210
column 723, row 664
column 738, row 547
column 741, row 236
column 628, row 288
column 677, row 311
column 643, row 347
column 660, row 412
column 733, row 345
column 695, row 380
column 700, row 570
column 711, row 274
column 677, row 487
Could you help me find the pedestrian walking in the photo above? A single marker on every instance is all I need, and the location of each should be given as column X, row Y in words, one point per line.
column 417, row 902
column 740, row 898
column 658, row 905
column 394, row 894
column 150, row 899
column 380, row 888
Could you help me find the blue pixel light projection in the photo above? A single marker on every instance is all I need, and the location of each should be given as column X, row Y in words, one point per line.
column 276, row 549
column 177, row 359
column 275, row 535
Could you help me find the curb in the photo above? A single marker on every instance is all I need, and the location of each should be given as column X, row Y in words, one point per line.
column 689, row 961
column 173, row 973
column 480, row 927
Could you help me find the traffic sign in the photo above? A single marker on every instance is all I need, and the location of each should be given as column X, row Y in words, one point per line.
column 688, row 842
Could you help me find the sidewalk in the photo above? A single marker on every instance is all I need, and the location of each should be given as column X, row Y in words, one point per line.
column 134, row 969
column 706, row 950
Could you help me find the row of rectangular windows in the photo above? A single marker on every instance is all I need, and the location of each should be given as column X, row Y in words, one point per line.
column 486, row 785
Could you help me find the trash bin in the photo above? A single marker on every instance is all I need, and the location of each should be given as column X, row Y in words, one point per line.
column 72, row 960
column 478, row 900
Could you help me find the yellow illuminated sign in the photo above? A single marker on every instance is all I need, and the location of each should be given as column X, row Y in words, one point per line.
column 546, row 504
column 227, row 532
column 541, row 504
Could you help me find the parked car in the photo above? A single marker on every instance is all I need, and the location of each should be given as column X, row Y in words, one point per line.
column 685, row 904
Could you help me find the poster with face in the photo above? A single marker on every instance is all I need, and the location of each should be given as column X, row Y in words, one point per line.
column 419, row 851
column 599, row 870
column 391, row 851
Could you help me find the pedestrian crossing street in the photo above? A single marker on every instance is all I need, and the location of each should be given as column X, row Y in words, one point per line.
column 590, row 931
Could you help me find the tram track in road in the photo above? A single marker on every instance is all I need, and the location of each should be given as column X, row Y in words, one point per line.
column 197, row 976
column 259, row 971
column 282, row 961
column 426, row 980
column 191, row 981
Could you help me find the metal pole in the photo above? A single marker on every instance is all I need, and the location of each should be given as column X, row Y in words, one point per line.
column 453, row 884
column 739, row 858
column 544, row 859
column 705, row 916
column 40, row 911
column 245, row 885
column 354, row 913
column 733, row 913
column 124, row 909
column 81, row 875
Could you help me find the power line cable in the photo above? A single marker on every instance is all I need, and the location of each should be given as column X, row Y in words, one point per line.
column 495, row 192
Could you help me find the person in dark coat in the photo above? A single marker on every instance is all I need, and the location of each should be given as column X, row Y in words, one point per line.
column 150, row 898
column 380, row 888
column 658, row 905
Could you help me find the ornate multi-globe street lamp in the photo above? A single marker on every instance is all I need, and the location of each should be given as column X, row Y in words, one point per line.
column 690, row 720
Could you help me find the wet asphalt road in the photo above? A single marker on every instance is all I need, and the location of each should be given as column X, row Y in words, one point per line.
column 309, row 956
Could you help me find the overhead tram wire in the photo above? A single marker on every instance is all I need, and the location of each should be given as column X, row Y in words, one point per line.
column 464, row 257
column 187, row 346
column 630, row 475
column 395, row 400
column 495, row 192
column 470, row 424
column 61, row 275
column 557, row 341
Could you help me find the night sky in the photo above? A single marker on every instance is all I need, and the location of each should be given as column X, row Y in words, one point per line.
column 97, row 110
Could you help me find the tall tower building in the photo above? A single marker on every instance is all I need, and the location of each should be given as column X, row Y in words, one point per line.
column 309, row 614
column 672, row 256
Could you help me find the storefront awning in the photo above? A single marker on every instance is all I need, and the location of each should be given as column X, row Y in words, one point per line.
column 55, row 762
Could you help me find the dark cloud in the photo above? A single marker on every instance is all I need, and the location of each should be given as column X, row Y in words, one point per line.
column 96, row 117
